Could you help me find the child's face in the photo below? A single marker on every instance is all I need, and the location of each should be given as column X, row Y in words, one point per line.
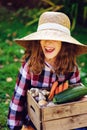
column 50, row 48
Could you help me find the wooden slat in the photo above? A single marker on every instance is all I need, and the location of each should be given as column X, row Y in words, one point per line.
column 35, row 120
column 65, row 110
column 32, row 104
column 59, row 117
column 66, row 123
column 34, row 111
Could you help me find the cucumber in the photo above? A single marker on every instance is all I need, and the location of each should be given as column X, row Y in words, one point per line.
column 71, row 94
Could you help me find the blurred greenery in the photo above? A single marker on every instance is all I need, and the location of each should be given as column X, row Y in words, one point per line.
column 15, row 24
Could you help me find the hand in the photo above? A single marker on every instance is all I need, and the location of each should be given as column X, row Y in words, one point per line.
column 27, row 128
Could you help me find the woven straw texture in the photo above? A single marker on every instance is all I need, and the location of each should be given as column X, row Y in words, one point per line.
column 51, row 33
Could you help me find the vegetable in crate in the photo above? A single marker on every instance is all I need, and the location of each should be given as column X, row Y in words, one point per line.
column 52, row 91
column 56, row 88
column 71, row 94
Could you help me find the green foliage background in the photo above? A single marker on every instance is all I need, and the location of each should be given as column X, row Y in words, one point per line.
column 15, row 24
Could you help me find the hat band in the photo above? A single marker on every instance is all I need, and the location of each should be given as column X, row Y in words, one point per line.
column 53, row 26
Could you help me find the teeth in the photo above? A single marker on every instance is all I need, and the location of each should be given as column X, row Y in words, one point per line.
column 49, row 49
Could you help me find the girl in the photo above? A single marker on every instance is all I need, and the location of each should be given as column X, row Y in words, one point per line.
column 50, row 56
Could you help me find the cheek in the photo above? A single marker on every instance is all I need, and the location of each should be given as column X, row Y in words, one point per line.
column 42, row 46
column 58, row 48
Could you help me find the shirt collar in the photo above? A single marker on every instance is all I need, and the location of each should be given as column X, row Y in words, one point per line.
column 49, row 66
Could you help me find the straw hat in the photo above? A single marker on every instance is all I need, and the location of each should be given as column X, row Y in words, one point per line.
column 53, row 26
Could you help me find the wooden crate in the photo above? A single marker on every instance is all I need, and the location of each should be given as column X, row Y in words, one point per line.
column 59, row 117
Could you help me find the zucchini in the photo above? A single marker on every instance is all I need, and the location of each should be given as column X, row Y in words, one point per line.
column 71, row 94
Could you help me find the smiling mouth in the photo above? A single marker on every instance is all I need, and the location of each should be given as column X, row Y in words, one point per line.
column 49, row 49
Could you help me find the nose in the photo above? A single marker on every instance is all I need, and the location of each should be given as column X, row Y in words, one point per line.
column 48, row 42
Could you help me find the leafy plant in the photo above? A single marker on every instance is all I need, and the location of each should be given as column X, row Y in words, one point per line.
column 74, row 9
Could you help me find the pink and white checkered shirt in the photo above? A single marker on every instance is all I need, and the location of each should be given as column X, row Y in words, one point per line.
column 18, row 115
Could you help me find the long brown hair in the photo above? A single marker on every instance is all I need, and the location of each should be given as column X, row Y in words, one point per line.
column 65, row 60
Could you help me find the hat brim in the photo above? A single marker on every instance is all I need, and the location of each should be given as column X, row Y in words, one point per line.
column 51, row 35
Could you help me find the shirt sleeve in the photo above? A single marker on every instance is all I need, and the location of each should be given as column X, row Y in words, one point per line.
column 17, row 105
column 75, row 78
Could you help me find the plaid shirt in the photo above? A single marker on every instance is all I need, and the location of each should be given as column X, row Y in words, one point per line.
column 18, row 115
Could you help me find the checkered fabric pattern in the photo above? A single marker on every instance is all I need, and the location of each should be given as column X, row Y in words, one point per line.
column 18, row 115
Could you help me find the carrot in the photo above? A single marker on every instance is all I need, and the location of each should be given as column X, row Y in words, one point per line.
column 52, row 91
column 57, row 90
column 65, row 85
column 60, row 87
column 27, row 128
